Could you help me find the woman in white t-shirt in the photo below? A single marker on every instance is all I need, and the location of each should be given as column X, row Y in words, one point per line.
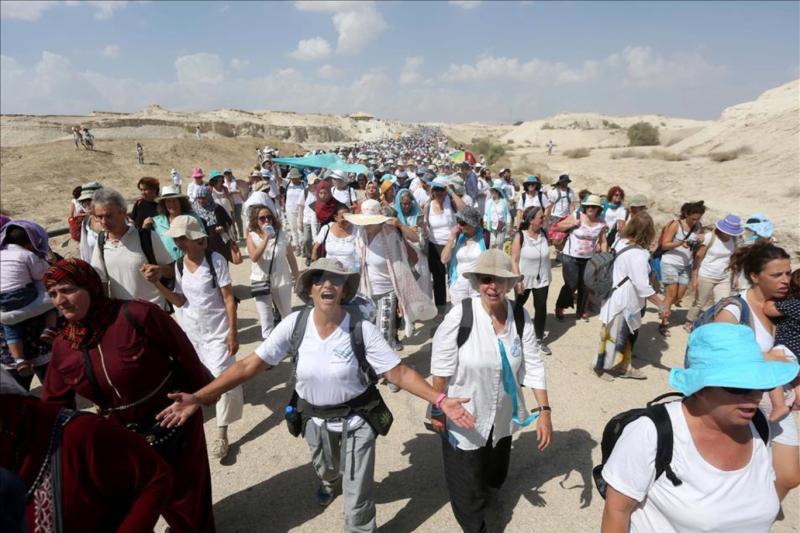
column 440, row 219
column 204, row 293
column 461, row 253
column 338, row 240
column 727, row 482
column 273, row 267
column 329, row 378
column 615, row 212
column 711, row 278
column 768, row 269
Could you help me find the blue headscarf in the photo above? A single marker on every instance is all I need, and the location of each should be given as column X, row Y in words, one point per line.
column 411, row 218
column 462, row 238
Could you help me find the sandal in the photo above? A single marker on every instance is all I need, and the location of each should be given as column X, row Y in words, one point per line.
column 664, row 330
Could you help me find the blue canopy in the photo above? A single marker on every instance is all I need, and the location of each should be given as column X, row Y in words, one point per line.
column 329, row 161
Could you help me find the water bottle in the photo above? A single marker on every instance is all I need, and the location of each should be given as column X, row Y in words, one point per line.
column 269, row 230
column 292, row 420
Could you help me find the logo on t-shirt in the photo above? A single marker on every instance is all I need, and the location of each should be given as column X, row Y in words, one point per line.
column 342, row 355
column 516, row 348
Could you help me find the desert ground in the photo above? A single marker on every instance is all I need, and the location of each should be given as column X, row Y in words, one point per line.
column 267, row 484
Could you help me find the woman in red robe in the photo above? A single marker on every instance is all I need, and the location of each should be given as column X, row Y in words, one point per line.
column 125, row 357
column 108, row 478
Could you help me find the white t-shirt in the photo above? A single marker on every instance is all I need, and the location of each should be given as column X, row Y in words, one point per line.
column 123, row 259
column 561, row 201
column 530, row 200
column 309, row 216
column 708, row 500
column 294, row 197
column 191, row 190
column 327, row 369
column 341, row 249
column 441, row 224
column 233, row 188
column 258, row 198
column 377, row 266
column 19, row 267
column 614, row 215
column 717, row 258
column 347, row 195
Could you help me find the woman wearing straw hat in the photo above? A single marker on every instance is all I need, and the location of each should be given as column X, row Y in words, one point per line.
column 328, row 374
column 586, row 236
column 480, row 350
column 496, row 215
column 727, row 481
column 711, row 280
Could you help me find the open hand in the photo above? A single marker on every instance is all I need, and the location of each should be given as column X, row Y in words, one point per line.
column 453, row 408
column 183, row 407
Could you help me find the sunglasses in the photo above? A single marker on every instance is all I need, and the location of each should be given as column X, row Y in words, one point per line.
column 741, row 392
column 487, row 280
column 318, row 278
column 266, row 218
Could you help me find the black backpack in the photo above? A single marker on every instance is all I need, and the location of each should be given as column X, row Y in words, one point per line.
column 210, row 262
column 657, row 412
column 465, row 326
column 145, row 238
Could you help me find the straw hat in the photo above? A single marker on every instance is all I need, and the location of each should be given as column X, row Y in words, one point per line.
column 186, row 226
column 638, row 200
column 170, row 191
column 332, row 266
column 592, row 200
column 370, row 214
column 493, row 263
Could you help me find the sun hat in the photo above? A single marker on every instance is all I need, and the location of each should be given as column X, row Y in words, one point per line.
column 531, row 179
column 266, row 174
column 186, row 226
column 389, row 177
column 294, row 174
column 638, row 200
column 440, row 182
column 727, row 355
column 457, row 184
column 88, row 190
column 370, row 214
column 330, row 265
column 197, row 172
column 215, row 174
column 759, row 224
column 338, row 175
column 495, row 263
column 260, row 186
column 469, row 215
column 311, row 178
column 499, row 186
column 563, row 178
column 170, row 191
column 255, row 174
column 592, row 200
column 730, row 225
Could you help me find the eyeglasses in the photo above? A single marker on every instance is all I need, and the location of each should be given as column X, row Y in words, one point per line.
column 318, row 278
column 461, row 223
column 741, row 392
column 266, row 218
column 487, row 280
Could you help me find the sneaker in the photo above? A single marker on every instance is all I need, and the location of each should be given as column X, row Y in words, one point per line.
column 397, row 346
column 559, row 313
column 633, row 373
column 543, row 348
column 585, row 317
column 324, row 496
column 602, row 374
column 219, row 449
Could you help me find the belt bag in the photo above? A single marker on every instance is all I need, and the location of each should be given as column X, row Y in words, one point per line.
column 369, row 405
column 261, row 288
column 168, row 442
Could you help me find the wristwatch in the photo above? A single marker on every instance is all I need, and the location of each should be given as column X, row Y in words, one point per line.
column 542, row 408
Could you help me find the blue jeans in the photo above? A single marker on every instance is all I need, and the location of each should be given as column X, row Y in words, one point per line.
column 11, row 301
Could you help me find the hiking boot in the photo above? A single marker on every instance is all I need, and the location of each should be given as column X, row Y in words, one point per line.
column 220, row 449
column 324, row 496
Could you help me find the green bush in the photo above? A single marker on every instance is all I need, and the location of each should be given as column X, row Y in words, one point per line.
column 643, row 134
column 577, row 153
column 491, row 151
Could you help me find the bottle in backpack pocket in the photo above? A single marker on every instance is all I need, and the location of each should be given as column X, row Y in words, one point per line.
column 293, row 420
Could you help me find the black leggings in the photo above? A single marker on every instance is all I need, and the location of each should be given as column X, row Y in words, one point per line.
column 573, row 268
column 438, row 272
column 539, row 307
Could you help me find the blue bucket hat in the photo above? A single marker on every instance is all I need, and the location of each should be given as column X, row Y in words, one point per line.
column 727, row 355
column 759, row 224
column 532, row 179
column 440, row 182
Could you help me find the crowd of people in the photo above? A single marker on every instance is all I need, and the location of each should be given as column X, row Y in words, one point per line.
column 379, row 241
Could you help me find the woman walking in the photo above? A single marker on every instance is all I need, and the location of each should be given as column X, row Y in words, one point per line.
column 530, row 258
column 171, row 204
column 461, row 253
column 217, row 222
column 615, row 213
column 337, row 240
column 585, row 237
column 497, row 217
column 440, row 219
column 409, row 214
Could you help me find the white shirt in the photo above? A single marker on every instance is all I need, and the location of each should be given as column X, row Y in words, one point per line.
column 717, row 258
column 341, row 249
column 441, row 224
column 309, row 216
column 530, row 200
column 475, row 372
column 534, row 261
column 258, row 198
column 327, row 369
column 176, row 179
column 203, row 317
column 613, row 215
column 233, row 189
column 377, row 266
column 19, row 267
column 191, row 190
column 708, row 500
column 561, row 201
column 259, row 267
column 347, row 196
column 764, row 338
column 294, row 197
column 123, row 258
column 421, row 196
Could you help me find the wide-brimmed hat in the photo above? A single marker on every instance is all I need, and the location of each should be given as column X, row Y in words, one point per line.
column 186, row 226
column 170, row 191
column 214, row 175
column 440, row 182
column 88, row 190
column 730, row 225
column 266, row 174
column 370, row 214
column 499, row 186
column 493, row 263
column 260, row 186
column 469, row 215
column 457, row 184
column 311, row 178
column 638, row 200
column 531, row 180
column 727, row 355
column 197, row 172
column 330, row 265
column 759, row 224
column 592, row 200
column 338, row 175
column 294, row 174
column 563, row 178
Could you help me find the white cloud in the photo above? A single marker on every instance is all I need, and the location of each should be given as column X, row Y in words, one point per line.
column 199, row 68
column 490, row 68
column 357, row 23
column 104, row 10
column 239, row 64
column 329, row 72
column 311, row 49
column 27, row 10
column 645, row 68
column 465, row 4
column 410, row 74
column 112, row 50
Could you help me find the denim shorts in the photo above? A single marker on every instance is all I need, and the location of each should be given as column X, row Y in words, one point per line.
column 674, row 274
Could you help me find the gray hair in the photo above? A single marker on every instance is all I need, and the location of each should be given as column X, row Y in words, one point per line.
column 107, row 196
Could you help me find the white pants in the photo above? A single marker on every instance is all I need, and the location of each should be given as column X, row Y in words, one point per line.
column 295, row 223
column 282, row 298
column 230, row 404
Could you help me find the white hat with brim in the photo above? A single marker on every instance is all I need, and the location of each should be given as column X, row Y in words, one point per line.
column 186, row 226
column 592, row 200
column 332, row 266
column 170, row 191
column 370, row 214
column 493, row 263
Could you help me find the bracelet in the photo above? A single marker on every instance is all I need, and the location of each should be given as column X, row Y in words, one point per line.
column 438, row 403
column 435, row 411
column 542, row 408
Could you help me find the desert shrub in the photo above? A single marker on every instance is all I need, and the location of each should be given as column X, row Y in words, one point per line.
column 643, row 134
column 614, row 126
column 518, row 123
column 547, row 126
column 626, row 154
column 510, row 141
column 491, row 151
column 577, row 153
column 665, row 155
column 729, row 155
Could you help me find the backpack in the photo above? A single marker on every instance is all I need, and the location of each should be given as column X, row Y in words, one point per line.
column 599, row 274
column 465, row 326
column 657, row 412
column 209, row 260
column 710, row 314
column 145, row 238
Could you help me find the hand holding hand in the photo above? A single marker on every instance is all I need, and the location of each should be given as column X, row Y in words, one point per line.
column 151, row 273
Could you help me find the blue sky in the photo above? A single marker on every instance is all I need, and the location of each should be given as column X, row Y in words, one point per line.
column 451, row 61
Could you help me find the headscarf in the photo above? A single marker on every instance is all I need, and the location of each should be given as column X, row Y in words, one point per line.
column 460, row 241
column 206, row 212
column 3, row 221
column 325, row 210
column 36, row 234
column 411, row 218
column 90, row 329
